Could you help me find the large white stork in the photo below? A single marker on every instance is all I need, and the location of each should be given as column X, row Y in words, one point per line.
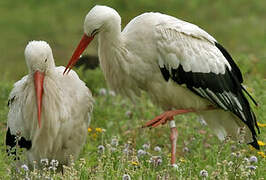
column 182, row 67
column 48, row 111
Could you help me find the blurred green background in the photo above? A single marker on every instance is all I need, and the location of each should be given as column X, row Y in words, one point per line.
column 240, row 26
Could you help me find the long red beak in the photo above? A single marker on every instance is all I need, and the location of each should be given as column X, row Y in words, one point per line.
column 38, row 83
column 84, row 42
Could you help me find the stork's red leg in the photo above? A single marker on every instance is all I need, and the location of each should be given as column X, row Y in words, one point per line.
column 167, row 115
column 173, row 139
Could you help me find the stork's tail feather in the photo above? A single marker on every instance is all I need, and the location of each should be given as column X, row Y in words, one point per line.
column 253, row 100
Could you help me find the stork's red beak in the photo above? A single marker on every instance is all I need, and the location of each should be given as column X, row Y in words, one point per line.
column 84, row 42
column 38, row 83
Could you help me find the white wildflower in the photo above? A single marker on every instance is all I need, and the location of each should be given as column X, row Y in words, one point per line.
column 102, row 91
column 141, row 153
column 44, row 161
column 114, row 142
column 185, row 149
column 54, row 163
column 204, row 173
column 253, row 159
column 156, row 160
column 126, row 177
column 101, row 149
column 251, row 167
column 146, row 146
column 25, row 167
column 157, row 149
column 175, row 166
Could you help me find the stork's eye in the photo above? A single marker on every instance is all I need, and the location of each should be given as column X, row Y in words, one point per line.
column 94, row 32
column 45, row 60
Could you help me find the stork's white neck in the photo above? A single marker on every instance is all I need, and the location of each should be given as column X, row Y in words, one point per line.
column 112, row 54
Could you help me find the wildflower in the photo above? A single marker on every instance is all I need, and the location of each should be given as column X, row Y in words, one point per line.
column 175, row 166
column 25, row 167
column 246, row 160
column 251, row 167
column 156, row 160
column 182, row 160
column 44, row 161
column 126, row 177
column 185, row 149
column 114, row 142
column 134, row 163
column 102, row 91
column 157, row 149
column 112, row 93
column 94, row 135
column 261, row 125
column 146, row 146
column 54, row 163
column 129, row 114
column 141, row 153
column 253, row 159
column 101, row 149
column 230, row 163
column 89, row 129
column 261, row 143
column 261, row 153
column 126, row 151
column 99, row 130
column 204, row 173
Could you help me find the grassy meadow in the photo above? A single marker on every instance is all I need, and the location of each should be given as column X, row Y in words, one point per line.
column 115, row 136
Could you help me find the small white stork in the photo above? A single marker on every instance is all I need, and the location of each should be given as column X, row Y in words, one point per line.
column 182, row 67
column 50, row 112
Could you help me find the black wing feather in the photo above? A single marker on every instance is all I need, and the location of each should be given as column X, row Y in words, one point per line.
column 223, row 90
column 11, row 142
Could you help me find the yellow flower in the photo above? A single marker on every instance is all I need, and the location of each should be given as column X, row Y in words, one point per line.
column 262, row 154
column 134, row 163
column 89, row 129
column 99, row 130
column 182, row 160
column 94, row 135
column 261, row 125
column 261, row 143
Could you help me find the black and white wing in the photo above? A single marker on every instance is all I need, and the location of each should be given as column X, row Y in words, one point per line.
column 189, row 56
column 15, row 130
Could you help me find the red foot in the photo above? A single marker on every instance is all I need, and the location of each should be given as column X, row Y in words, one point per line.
column 166, row 116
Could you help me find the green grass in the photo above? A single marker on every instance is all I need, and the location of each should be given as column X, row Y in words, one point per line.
column 238, row 25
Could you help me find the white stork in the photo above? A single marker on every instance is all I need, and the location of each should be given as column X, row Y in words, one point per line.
column 182, row 67
column 50, row 112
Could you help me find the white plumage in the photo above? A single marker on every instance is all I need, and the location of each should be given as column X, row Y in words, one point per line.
column 180, row 66
column 66, row 107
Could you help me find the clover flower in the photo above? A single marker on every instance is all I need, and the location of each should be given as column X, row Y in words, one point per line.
column 102, row 91
column 253, row 159
column 157, row 149
column 126, row 177
column 146, row 146
column 141, row 153
column 25, row 167
column 101, row 149
column 204, row 173
column 45, row 161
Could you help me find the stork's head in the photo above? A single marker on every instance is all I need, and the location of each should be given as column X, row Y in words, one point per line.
column 99, row 19
column 39, row 59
